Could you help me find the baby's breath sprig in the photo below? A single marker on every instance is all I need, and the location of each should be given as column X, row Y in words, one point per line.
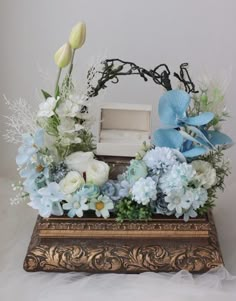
column 20, row 196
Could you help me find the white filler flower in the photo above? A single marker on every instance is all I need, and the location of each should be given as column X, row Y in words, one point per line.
column 97, row 172
column 72, row 181
column 179, row 200
column 46, row 108
column 205, row 173
column 144, row 190
column 102, row 205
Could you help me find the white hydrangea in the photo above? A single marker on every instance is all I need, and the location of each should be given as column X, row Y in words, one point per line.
column 68, row 126
column 68, row 108
column 205, row 174
column 46, row 108
column 177, row 177
column 161, row 158
column 144, row 190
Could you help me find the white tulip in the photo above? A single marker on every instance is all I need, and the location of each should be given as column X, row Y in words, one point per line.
column 78, row 35
column 79, row 161
column 97, row 172
column 63, row 55
column 72, row 181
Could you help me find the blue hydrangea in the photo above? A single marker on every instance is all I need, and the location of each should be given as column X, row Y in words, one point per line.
column 31, row 145
column 160, row 159
column 178, row 177
column 144, row 191
column 111, row 189
column 125, row 188
column 159, row 205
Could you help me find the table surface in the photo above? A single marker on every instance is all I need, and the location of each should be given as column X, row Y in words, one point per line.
column 16, row 225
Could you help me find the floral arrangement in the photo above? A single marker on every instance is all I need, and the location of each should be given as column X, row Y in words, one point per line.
column 178, row 174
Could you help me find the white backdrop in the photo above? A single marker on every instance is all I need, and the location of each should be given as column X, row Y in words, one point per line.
column 148, row 32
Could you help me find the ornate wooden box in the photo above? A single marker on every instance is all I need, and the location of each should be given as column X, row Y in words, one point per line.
column 97, row 245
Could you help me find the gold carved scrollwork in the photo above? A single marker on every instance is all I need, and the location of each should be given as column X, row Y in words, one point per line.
column 124, row 255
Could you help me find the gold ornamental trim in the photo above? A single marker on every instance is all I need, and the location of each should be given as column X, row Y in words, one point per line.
column 122, row 234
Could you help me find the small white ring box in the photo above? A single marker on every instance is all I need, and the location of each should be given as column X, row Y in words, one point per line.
column 123, row 128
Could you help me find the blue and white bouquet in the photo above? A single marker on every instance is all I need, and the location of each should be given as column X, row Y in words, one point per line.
column 178, row 174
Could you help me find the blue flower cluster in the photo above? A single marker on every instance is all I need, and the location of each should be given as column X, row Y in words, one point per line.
column 189, row 134
column 44, row 180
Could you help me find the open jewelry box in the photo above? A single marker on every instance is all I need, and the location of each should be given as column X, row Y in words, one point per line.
column 121, row 131
column 89, row 244
column 123, row 128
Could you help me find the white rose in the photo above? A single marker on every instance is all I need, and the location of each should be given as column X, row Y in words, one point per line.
column 79, row 161
column 97, row 172
column 205, row 173
column 72, row 181
column 46, row 109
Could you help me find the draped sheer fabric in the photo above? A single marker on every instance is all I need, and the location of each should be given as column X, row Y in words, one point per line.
column 16, row 225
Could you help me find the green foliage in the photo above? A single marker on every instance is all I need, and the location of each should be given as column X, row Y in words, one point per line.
column 130, row 210
column 45, row 94
column 208, row 205
column 51, row 125
column 86, row 144
column 67, row 87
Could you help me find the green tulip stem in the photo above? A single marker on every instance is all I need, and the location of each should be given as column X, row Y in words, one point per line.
column 57, row 81
column 71, row 63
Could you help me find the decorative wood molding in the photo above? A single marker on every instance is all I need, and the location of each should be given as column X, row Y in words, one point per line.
column 94, row 245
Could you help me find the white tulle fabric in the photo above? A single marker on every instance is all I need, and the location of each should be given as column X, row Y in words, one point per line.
column 16, row 224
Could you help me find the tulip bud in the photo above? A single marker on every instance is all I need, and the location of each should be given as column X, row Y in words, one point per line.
column 78, row 35
column 63, row 56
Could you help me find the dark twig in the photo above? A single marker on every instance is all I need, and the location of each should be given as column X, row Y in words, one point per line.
column 112, row 71
column 185, row 78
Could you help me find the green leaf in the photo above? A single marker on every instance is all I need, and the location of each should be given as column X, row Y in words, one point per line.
column 45, row 94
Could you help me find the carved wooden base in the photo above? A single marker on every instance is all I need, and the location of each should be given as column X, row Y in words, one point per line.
column 96, row 245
